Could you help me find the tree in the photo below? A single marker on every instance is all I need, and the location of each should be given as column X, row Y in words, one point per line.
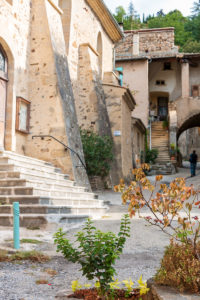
column 196, row 8
column 191, row 46
column 120, row 13
column 160, row 13
column 172, row 19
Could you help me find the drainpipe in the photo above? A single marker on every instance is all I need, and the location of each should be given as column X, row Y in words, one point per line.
column 150, row 147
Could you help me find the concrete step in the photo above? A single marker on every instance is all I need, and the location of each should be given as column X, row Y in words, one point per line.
column 50, row 178
column 23, row 190
column 58, row 201
column 49, row 209
column 27, row 220
column 25, row 170
column 44, row 193
column 64, row 186
column 22, row 158
column 29, row 164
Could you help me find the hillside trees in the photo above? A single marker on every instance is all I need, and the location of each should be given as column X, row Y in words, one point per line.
column 187, row 29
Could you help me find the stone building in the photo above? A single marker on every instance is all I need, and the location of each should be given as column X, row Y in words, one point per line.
column 56, row 75
column 165, row 83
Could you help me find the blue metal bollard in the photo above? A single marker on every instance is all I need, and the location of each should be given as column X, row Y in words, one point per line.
column 16, row 236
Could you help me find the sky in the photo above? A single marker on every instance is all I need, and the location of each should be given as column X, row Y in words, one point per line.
column 153, row 6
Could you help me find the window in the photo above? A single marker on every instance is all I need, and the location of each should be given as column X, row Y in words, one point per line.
column 195, row 91
column 3, row 61
column 167, row 66
column 23, row 115
column 160, row 82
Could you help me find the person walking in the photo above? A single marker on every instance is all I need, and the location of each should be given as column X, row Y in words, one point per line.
column 193, row 163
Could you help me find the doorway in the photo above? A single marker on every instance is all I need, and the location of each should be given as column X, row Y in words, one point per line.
column 163, row 108
column 3, row 88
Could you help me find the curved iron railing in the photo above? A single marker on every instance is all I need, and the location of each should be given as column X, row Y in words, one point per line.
column 65, row 146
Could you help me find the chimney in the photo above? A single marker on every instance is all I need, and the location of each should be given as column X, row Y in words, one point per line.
column 136, row 44
column 121, row 25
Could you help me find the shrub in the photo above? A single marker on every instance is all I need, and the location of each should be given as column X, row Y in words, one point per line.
column 98, row 153
column 180, row 268
column 165, row 204
column 151, row 155
column 97, row 251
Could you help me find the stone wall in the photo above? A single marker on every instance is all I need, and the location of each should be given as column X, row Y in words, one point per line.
column 156, row 40
column 145, row 42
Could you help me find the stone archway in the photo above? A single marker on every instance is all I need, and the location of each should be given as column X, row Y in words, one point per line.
column 192, row 121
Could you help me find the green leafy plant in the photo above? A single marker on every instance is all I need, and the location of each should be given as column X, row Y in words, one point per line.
column 151, row 155
column 97, row 251
column 165, row 124
column 98, row 152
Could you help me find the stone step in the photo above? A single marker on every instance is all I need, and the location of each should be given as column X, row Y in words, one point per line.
column 32, row 172
column 53, row 178
column 49, row 209
column 58, row 201
column 27, row 220
column 41, row 184
column 22, row 158
column 30, row 165
column 22, row 190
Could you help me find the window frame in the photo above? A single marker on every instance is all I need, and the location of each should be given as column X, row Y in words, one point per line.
column 20, row 100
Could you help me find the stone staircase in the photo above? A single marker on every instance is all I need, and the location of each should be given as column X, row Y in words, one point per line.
column 160, row 141
column 46, row 196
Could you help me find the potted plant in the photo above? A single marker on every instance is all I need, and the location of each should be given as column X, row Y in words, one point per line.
column 165, row 124
column 172, row 152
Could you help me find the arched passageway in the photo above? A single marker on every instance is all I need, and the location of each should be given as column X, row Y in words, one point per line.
column 192, row 121
column 188, row 136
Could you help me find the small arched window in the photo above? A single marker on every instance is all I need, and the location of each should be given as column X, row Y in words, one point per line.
column 3, row 62
column 100, row 52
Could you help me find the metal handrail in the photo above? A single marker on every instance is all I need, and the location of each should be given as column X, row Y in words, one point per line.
column 65, row 146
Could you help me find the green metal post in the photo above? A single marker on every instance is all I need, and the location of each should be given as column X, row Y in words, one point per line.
column 16, row 237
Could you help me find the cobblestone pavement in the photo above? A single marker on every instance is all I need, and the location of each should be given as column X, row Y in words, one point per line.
column 142, row 253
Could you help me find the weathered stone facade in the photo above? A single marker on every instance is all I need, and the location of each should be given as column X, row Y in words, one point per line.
column 58, row 53
column 146, row 41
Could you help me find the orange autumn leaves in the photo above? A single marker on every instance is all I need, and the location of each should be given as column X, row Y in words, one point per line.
column 170, row 206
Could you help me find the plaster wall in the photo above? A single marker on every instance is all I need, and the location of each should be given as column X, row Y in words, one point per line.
column 172, row 79
column 194, row 76
column 136, row 79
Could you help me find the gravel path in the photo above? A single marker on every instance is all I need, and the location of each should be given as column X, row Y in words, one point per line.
column 142, row 254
